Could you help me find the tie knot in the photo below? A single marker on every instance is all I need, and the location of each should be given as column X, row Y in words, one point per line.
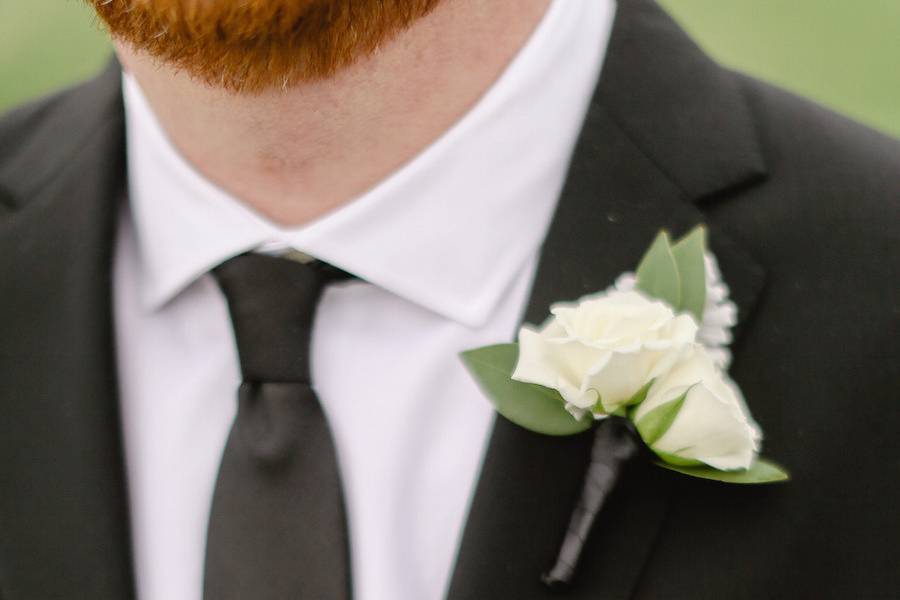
column 272, row 302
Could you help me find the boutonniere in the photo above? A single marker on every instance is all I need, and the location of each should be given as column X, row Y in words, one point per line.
column 645, row 364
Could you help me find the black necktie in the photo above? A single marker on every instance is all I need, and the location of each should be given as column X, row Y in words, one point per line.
column 277, row 528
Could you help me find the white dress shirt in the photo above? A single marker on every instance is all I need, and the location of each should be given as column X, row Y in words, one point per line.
column 446, row 248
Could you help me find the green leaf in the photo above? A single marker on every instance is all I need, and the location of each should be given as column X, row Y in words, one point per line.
column 657, row 275
column 641, row 394
column 531, row 406
column 628, row 409
column 656, row 423
column 678, row 461
column 761, row 471
column 689, row 253
column 622, row 410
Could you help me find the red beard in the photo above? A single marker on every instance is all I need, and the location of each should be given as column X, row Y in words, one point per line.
column 250, row 46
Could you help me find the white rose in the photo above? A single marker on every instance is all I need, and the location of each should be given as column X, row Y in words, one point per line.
column 605, row 348
column 719, row 313
column 713, row 425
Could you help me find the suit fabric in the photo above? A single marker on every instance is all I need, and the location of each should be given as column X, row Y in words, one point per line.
column 802, row 207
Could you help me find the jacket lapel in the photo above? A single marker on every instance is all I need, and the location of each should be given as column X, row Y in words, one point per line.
column 67, row 535
column 666, row 128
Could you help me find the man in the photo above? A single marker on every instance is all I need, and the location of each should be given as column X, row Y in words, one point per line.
column 467, row 163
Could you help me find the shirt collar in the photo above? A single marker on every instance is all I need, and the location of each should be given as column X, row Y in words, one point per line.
column 449, row 231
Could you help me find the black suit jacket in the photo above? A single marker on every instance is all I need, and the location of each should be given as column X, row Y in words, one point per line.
column 802, row 207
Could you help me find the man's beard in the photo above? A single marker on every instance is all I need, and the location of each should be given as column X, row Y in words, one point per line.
column 255, row 45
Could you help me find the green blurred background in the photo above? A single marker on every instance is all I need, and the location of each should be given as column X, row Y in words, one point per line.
column 843, row 53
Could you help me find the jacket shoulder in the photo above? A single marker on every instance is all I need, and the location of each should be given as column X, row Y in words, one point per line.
column 812, row 148
column 19, row 124
column 829, row 204
column 40, row 137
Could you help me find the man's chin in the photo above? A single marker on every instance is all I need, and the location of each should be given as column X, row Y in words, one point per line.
column 251, row 46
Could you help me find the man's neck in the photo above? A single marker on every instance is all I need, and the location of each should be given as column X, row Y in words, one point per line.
column 293, row 155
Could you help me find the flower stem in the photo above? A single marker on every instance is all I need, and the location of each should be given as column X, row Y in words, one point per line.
column 616, row 443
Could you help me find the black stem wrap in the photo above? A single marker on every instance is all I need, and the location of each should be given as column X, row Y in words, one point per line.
column 616, row 444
